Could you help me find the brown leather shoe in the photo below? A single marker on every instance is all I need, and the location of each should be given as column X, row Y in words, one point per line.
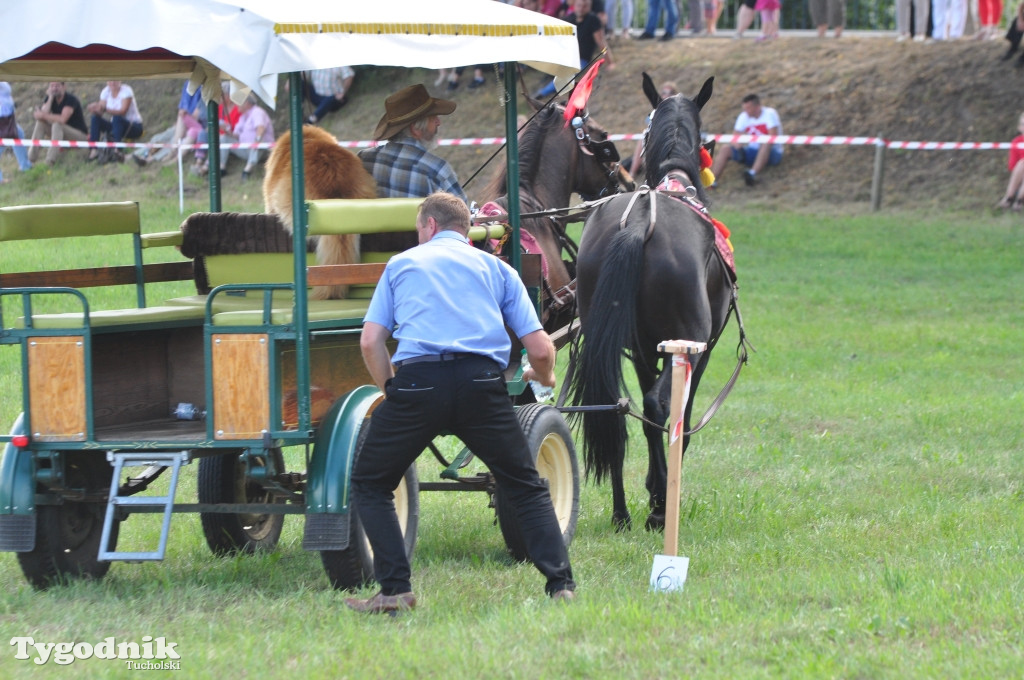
column 563, row 596
column 383, row 604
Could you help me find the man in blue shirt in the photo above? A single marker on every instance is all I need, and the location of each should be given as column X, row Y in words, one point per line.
column 405, row 167
column 447, row 304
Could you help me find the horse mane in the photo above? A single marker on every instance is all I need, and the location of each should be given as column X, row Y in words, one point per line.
column 529, row 154
column 673, row 141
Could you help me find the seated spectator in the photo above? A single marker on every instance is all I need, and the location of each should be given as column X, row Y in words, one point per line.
column 229, row 115
column 254, row 126
column 125, row 121
column 328, row 90
column 9, row 128
column 753, row 120
column 190, row 122
column 1014, row 197
column 60, row 117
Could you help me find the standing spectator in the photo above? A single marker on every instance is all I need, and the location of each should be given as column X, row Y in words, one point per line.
column 695, row 16
column 589, row 36
column 753, row 120
column 626, row 21
column 920, row 27
column 328, row 90
column 9, row 128
column 989, row 14
column 828, row 14
column 948, row 19
column 712, row 12
column 770, row 10
column 1014, row 197
column 654, row 8
column 745, row 14
column 404, row 167
column 125, row 121
column 60, row 117
column 448, row 306
column 254, row 127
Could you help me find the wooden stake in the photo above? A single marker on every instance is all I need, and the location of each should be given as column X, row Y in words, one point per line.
column 681, row 370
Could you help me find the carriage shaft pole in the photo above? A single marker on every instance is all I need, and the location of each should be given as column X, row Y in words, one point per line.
column 681, row 371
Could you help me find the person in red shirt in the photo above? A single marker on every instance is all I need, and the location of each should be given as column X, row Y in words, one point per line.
column 1014, row 197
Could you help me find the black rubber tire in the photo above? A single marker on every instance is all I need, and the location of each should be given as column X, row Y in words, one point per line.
column 222, row 480
column 68, row 535
column 554, row 454
column 352, row 568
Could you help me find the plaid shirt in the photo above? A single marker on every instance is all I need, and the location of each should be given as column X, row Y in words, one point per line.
column 403, row 168
column 329, row 82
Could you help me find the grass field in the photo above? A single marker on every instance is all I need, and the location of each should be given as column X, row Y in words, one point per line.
column 855, row 510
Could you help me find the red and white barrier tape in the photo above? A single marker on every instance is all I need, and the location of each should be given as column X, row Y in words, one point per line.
column 792, row 140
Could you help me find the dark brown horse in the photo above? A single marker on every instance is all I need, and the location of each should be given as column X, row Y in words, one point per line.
column 555, row 161
column 648, row 271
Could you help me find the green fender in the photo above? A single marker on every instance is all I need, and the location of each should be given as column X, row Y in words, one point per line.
column 17, row 485
column 17, row 496
column 334, row 450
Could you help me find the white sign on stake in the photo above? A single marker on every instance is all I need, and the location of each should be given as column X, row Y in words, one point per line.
column 668, row 573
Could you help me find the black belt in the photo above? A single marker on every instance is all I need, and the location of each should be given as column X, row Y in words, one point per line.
column 436, row 358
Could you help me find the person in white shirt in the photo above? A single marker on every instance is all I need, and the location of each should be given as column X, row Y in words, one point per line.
column 118, row 100
column 754, row 120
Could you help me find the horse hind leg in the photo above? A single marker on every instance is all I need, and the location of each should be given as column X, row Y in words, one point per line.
column 656, row 410
column 620, row 513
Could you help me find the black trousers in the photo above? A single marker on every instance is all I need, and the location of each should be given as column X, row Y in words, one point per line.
column 466, row 396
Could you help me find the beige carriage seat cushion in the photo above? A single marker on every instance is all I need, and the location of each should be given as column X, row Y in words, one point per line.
column 349, row 312
column 68, row 220
column 118, row 317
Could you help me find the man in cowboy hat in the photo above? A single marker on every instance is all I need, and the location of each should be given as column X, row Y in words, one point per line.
column 404, row 167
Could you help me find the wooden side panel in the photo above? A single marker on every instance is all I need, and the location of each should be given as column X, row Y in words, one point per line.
column 56, row 383
column 241, row 385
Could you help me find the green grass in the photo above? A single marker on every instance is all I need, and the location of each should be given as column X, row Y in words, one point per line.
column 855, row 510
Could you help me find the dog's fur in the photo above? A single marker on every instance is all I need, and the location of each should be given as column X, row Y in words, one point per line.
column 331, row 172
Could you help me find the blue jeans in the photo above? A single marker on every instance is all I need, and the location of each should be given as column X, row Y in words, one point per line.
column 325, row 105
column 21, row 153
column 117, row 128
column 671, row 16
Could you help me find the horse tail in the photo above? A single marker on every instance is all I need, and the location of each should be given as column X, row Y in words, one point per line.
column 609, row 329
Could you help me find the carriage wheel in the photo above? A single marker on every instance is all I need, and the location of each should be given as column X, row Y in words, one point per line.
column 352, row 568
column 222, row 480
column 68, row 534
column 554, row 454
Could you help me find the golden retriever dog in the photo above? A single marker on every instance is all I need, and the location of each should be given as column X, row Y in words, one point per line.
column 331, row 172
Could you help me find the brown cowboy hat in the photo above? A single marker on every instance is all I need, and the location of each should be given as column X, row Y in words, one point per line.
column 407, row 106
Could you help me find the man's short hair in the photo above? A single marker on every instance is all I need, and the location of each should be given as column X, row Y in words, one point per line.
column 752, row 98
column 448, row 211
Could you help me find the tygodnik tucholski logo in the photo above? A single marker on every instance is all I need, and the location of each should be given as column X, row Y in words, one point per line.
column 150, row 654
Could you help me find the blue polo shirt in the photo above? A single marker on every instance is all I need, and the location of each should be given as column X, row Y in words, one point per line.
column 446, row 296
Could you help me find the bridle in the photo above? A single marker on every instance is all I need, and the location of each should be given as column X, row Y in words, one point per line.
column 605, row 153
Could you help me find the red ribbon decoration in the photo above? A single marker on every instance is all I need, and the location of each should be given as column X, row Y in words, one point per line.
column 581, row 93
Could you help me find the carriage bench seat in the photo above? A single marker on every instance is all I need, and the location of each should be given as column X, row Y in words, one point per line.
column 341, row 312
column 163, row 316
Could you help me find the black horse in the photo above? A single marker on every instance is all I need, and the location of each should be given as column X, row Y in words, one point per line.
column 648, row 270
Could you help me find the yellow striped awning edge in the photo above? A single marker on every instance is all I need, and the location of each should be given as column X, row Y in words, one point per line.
column 483, row 30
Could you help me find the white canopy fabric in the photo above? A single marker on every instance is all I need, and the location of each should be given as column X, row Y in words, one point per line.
column 313, row 34
column 126, row 39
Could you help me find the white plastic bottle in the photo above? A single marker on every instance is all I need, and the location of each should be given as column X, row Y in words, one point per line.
column 541, row 393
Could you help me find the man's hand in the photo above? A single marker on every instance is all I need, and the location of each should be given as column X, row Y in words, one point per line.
column 541, row 353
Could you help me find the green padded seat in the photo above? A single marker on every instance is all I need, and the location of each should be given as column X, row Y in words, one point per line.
column 319, row 310
column 117, row 317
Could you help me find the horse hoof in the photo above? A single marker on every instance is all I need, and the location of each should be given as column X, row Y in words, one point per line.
column 622, row 523
column 655, row 522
